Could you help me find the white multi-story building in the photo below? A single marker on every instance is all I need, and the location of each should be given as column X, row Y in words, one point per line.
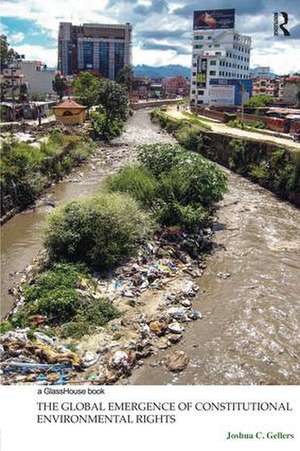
column 220, row 55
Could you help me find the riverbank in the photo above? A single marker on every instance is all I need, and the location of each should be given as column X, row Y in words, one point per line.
column 149, row 296
column 248, row 333
column 272, row 166
column 32, row 161
column 248, row 297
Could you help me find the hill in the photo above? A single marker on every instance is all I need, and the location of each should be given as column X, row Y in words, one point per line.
column 171, row 70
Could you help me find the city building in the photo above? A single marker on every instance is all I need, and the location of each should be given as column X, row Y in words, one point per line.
column 263, row 72
column 268, row 87
column 37, row 77
column 291, row 90
column 176, row 86
column 140, row 88
column 103, row 49
column 11, row 76
column 220, row 60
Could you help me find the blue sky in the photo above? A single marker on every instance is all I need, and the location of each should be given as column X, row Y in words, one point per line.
column 162, row 28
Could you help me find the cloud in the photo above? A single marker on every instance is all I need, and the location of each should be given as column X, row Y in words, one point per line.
column 161, row 28
column 179, row 49
column 36, row 52
column 17, row 38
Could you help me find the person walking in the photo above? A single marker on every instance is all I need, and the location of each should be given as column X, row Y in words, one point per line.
column 39, row 115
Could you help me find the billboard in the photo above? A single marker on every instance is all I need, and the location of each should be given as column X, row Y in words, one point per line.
column 201, row 72
column 229, row 91
column 214, row 19
column 221, row 94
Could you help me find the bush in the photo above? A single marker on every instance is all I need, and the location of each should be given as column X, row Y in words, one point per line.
column 105, row 127
column 260, row 100
column 54, row 295
column 159, row 158
column 136, row 181
column 27, row 170
column 101, row 231
column 190, row 138
column 180, row 187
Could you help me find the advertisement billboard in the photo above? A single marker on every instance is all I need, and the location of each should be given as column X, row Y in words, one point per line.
column 221, row 95
column 214, row 19
column 229, row 92
column 201, row 72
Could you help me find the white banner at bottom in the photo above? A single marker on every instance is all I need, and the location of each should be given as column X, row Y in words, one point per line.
column 149, row 418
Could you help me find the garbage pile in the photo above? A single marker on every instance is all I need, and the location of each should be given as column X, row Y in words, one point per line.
column 154, row 291
column 171, row 251
column 39, row 359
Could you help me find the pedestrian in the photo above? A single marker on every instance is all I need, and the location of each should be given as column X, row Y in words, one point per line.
column 39, row 115
column 177, row 106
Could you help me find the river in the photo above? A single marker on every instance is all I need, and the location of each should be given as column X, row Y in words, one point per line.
column 249, row 293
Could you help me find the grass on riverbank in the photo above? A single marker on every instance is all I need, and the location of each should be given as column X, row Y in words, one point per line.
column 180, row 188
column 169, row 187
column 26, row 169
column 277, row 169
column 62, row 300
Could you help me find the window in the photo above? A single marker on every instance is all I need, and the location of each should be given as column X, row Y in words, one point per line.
column 88, row 51
column 198, row 46
column 208, row 37
column 217, row 45
column 218, row 53
column 193, row 91
column 200, row 102
column 200, row 92
column 198, row 37
column 194, row 74
column 104, row 59
column 212, row 72
column 119, row 56
column 213, row 62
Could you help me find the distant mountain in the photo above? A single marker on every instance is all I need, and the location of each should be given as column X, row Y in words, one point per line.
column 172, row 70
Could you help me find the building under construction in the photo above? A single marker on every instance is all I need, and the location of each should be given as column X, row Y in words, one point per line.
column 100, row 48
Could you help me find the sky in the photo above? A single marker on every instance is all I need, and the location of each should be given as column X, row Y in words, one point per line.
column 161, row 28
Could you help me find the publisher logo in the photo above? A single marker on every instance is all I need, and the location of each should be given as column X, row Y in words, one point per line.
column 282, row 25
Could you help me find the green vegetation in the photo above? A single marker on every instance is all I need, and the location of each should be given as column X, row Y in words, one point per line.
column 105, row 128
column 195, row 120
column 101, row 231
column 259, row 101
column 276, row 169
column 26, row 170
column 54, row 294
column 246, row 125
column 110, row 100
column 59, row 85
column 125, row 76
column 180, row 188
column 85, row 87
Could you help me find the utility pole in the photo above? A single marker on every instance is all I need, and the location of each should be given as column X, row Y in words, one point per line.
column 242, row 99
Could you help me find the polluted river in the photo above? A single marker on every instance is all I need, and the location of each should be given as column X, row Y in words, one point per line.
column 249, row 292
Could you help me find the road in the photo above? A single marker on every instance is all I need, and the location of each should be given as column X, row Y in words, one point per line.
column 219, row 127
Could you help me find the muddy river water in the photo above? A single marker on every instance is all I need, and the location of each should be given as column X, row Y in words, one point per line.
column 249, row 293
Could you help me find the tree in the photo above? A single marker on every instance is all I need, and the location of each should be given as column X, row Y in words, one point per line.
column 59, row 85
column 85, row 88
column 112, row 99
column 7, row 55
column 125, row 76
column 259, row 101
